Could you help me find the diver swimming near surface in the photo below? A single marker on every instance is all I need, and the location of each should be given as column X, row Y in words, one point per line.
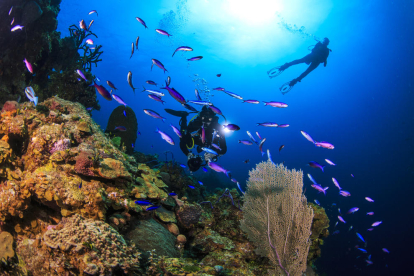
column 318, row 55
column 203, row 131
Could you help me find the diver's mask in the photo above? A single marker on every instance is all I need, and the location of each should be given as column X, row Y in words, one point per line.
column 206, row 120
column 194, row 163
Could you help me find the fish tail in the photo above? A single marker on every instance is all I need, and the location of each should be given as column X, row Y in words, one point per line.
column 143, row 89
column 163, row 120
column 173, row 53
column 322, row 168
column 228, row 173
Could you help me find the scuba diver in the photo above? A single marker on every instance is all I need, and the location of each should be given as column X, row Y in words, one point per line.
column 204, row 124
column 318, row 55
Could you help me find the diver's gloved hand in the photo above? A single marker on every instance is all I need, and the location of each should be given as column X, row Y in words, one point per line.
column 210, row 157
column 190, row 155
column 293, row 82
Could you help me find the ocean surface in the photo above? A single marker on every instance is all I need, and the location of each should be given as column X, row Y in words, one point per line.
column 361, row 102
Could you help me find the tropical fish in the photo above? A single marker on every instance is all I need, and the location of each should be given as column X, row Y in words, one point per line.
column 283, row 125
column 89, row 41
column 251, row 101
column 341, row 219
column 162, row 32
column 80, row 185
column 281, row 147
column 385, row 250
column 335, row 232
column 111, row 85
column 353, row 210
column 152, row 208
column 352, row 175
column 261, row 146
column 203, row 135
column 182, row 48
column 31, row 95
column 132, row 50
column 370, row 213
column 201, row 183
column 238, row 186
column 28, row 66
column 80, row 73
column 215, row 110
column 143, row 202
column 370, row 229
column 158, row 64
column 168, row 80
column 124, row 113
column 307, row 136
column 166, row 137
column 192, row 187
column 176, row 131
column 154, row 114
column 197, row 95
column 129, row 79
column 258, row 135
column 183, row 166
column 246, row 142
column 175, row 94
column 219, row 88
column 311, row 179
column 118, row 99
column 336, row 183
column 200, row 102
column 231, row 127
column 336, row 223
column 360, row 237
column 218, row 75
column 344, row 193
column 246, row 161
column 142, row 22
column 369, row 262
column 194, row 58
column 330, row 162
column 233, row 95
column 172, row 194
column 267, row 124
column 276, row 104
column 362, row 250
column 314, row 164
column 209, row 151
column 102, row 90
column 17, row 27
column 325, row 145
column 90, row 25
column 11, row 23
column 215, row 146
column 369, row 199
column 350, row 228
column 155, row 98
column 218, row 168
column 136, row 42
column 269, row 156
column 155, row 92
column 120, row 128
column 205, row 170
column 251, row 137
column 151, row 82
column 376, row 223
column 11, row 9
column 93, row 11
column 82, row 25
column 319, row 188
column 317, row 202
column 189, row 107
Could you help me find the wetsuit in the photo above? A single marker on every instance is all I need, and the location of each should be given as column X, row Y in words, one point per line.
column 318, row 55
column 195, row 126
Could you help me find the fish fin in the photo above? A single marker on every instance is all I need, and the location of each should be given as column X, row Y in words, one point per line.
column 163, row 120
column 228, row 173
column 143, row 89
column 322, row 168
column 173, row 54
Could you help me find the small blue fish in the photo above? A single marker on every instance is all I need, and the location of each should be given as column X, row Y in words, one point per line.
column 172, row 194
column 192, row 187
column 80, row 185
column 201, row 183
column 238, row 186
column 204, row 169
column 143, row 202
column 153, row 208
column 132, row 145
column 362, row 250
column 89, row 108
column 183, row 166
column 139, row 133
column 317, row 202
column 124, row 113
column 360, row 237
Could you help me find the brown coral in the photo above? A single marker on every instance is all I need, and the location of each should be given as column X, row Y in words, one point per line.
column 6, row 246
column 188, row 215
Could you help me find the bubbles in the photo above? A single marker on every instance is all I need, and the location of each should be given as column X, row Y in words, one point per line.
column 301, row 31
column 202, row 86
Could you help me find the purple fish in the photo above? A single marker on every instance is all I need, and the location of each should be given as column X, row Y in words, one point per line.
column 153, row 114
column 307, row 136
column 385, row 250
column 10, row 11
column 158, row 64
column 162, row 32
column 151, row 82
column 233, row 95
column 231, row 127
column 219, row 89
column 155, row 98
column 344, row 193
column 197, row 95
column 246, row 142
column 118, row 99
column 203, row 134
column 200, row 102
column 314, row 164
column 330, row 162
column 120, row 128
column 215, row 146
column 261, row 147
column 142, row 22
column 182, row 48
column 28, row 66
column 176, row 131
column 251, row 101
column 376, row 223
column 353, row 210
column 166, row 137
column 215, row 110
column 174, row 93
column 194, row 58
column 336, row 183
column 370, row 213
column 369, row 199
column 319, row 188
column 267, row 124
column 136, row 42
column 111, row 85
column 313, row 180
column 325, row 145
column 276, row 104
column 251, row 137
column 370, row 229
column 102, row 90
column 80, row 73
column 93, row 11
column 218, row 168
column 341, row 219
column 258, row 135
column 17, row 27
column 283, row 125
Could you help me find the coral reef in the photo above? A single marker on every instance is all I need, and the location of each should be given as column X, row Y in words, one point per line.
column 6, row 246
column 320, row 225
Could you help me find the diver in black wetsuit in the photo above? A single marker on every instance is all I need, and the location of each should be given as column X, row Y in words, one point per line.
column 192, row 136
column 318, row 55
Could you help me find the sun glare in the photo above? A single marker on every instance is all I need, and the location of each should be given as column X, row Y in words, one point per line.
column 254, row 11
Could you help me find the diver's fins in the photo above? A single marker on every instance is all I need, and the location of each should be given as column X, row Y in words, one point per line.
column 286, row 87
column 275, row 71
column 177, row 113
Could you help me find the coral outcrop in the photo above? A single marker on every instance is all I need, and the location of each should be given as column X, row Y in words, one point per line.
column 6, row 246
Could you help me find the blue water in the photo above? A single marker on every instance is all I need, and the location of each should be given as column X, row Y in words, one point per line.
column 362, row 102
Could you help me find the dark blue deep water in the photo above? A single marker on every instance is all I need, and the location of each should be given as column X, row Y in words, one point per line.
column 362, row 102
